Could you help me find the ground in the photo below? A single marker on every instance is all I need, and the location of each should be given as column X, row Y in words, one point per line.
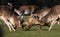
column 34, row 32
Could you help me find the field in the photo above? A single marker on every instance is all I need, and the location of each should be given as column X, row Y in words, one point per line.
column 34, row 32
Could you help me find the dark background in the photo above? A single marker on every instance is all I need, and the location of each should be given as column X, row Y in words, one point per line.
column 40, row 3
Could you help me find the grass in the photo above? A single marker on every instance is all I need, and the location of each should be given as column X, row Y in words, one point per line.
column 34, row 32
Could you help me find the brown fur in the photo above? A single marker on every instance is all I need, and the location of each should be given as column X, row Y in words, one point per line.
column 31, row 22
column 43, row 12
column 52, row 16
column 7, row 16
column 34, row 21
column 26, row 8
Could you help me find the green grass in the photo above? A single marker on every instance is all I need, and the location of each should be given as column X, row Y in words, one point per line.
column 34, row 32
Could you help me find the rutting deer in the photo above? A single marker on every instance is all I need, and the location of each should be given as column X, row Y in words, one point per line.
column 25, row 9
column 51, row 18
column 31, row 20
column 9, row 18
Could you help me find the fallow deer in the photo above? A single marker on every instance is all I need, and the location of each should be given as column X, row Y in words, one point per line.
column 26, row 9
column 42, row 12
column 51, row 17
column 9, row 18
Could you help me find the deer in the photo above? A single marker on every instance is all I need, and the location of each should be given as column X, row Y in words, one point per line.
column 25, row 9
column 51, row 18
column 48, row 20
column 31, row 20
column 9, row 18
column 42, row 12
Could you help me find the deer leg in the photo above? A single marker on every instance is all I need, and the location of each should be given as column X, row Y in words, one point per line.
column 58, row 22
column 8, row 24
column 11, row 26
column 51, row 24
